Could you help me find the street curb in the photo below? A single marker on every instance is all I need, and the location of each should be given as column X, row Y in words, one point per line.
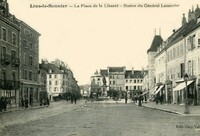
column 169, row 111
column 173, row 112
column 20, row 109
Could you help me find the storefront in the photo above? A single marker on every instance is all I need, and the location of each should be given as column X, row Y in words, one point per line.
column 180, row 90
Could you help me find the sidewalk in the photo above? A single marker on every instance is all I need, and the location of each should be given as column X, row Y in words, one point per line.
column 17, row 108
column 173, row 108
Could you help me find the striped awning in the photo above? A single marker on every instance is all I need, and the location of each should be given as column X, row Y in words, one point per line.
column 182, row 85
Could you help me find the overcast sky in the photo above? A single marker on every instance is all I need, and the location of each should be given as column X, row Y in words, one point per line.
column 89, row 39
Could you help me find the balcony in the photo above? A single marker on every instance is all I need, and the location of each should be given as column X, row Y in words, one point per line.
column 15, row 62
column 5, row 59
column 9, row 84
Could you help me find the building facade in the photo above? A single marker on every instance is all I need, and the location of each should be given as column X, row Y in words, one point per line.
column 151, row 52
column 117, row 80
column 9, row 55
column 179, row 55
column 29, row 66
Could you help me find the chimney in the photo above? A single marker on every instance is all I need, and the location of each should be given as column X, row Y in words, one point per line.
column 184, row 20
column 132, row 70
column 198, row 19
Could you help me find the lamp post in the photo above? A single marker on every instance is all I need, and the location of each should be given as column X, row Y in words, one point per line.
column 186, row 95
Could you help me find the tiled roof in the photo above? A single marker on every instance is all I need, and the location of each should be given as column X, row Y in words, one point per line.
column 54, row 68
column 116, row 69
column 136, row 74
column 182, row 31
column 157, row 41
column 104, row 72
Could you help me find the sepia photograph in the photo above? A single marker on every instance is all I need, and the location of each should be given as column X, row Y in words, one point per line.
column 99, row 68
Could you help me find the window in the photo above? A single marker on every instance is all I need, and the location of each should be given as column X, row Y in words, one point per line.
column 25, row 74
column 30, row 75
column 25, row 44
column 49, row 76
column 30, row 60
column 113, row 82
column 134, row 81
column 130, row 81
column 55, row 76
column 3, row 74
column 199, row 42
column 126, row 81
column 31, row 45
column 13, row 76
column 4, row 34
column 13, row 55
column 55, row 89
column 49, row 82
column 3, row 52
column 25, row 58
column 56, row 82
column 13, row 38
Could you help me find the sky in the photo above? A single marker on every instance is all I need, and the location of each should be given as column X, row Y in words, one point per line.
column 90, row 39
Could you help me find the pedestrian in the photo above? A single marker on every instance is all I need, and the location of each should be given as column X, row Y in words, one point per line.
column 4, row 103
column 22, row 103
column 75, row 98
column 126, row 97
column 48, row 102
column 1, row 104
column 72, row 98
column 26, row 102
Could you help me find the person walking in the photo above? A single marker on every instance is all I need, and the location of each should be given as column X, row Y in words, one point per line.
column 26, row 102
column 72, row 98
column 22, row 103
column 75, row 98
column 126, row 97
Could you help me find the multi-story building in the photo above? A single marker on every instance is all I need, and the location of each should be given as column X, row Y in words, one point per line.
column 134, row 81
column 9, row 55
column 96, row 83
column 179, row 55
column 29, row 66
column 119, row 80
column 152, row 51
column 60, row 81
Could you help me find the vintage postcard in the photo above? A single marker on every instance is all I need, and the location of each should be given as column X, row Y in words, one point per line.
column 99, row 68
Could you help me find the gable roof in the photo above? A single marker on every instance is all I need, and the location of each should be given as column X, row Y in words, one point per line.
column 103, row 72
column 54, row 68
column 182, row 32
column 136, row 74
column 157, row 41
column 116, row 69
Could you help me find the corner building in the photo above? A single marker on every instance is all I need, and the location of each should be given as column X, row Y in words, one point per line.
column 9, row 55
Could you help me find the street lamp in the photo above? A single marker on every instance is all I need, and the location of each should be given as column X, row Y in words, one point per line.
column 186, row 94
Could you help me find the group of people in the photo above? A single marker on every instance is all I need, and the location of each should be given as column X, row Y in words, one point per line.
column 24, row 103
column 74, row 98
column 159, row 98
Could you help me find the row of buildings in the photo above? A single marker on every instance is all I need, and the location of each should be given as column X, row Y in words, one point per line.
column 117, row 79
column 169, row 60
column 19, row 60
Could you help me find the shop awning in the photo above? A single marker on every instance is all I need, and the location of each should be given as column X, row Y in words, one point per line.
column 144, row 93
column 158, row 90
column 182, row 85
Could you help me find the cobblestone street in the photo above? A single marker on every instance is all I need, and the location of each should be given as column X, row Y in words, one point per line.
column 99, row 119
